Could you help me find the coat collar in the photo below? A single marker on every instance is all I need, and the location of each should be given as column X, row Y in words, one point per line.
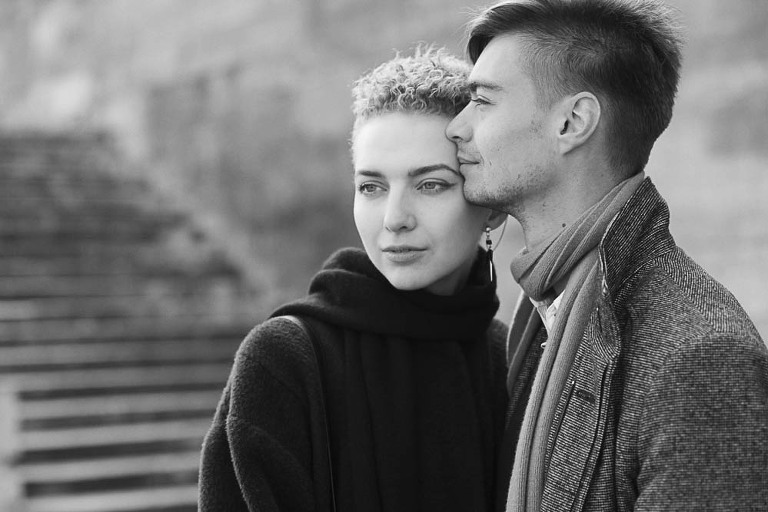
column 638, row 234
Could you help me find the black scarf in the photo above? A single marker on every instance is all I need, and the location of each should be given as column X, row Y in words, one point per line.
column 411, row 410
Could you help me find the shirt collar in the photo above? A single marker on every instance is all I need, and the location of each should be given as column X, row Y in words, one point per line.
column 547, row 310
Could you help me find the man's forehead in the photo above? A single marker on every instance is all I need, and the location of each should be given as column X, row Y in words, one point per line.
column 497, row 64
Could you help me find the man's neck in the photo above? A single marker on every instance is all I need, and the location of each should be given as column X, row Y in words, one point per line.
column 546, row 217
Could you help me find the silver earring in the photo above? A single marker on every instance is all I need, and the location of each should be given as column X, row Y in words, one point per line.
column 489, row 251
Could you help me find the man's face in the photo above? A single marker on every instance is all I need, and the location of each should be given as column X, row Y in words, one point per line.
column 504, row 151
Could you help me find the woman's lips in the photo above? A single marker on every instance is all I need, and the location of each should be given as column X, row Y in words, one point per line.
column 402, row 254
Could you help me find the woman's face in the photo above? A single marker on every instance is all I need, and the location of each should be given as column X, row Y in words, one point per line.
column 410, row 210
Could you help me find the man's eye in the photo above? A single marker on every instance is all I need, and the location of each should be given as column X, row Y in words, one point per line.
column 478, row 101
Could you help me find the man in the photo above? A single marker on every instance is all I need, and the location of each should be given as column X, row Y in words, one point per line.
column 637, row 382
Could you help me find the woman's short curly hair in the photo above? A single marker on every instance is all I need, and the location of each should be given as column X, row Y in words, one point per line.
column 432, row 81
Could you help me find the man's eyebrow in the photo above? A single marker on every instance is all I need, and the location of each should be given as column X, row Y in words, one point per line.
column 474, row 85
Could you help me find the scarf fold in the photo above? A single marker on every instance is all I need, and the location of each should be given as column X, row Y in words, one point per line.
column 351, row 293
column 413, row 400
column 571, row 256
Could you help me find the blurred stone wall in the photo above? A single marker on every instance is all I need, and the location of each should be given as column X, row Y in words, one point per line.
column 240, row 110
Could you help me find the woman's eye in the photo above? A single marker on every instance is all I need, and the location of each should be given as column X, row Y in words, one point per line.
column 434, row 186
column 478, row 101
column 368, row 188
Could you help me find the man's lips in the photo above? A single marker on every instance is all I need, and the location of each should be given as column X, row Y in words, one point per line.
column 466, row 161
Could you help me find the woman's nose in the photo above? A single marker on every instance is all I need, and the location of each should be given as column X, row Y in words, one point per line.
column 398, row 216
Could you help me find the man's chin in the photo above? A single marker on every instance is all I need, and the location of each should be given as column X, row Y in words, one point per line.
column 476, row 195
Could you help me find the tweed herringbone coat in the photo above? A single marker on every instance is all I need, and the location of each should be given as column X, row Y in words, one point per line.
column 666, row 406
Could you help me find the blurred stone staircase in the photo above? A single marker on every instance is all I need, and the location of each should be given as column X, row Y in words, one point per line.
column 118, row 325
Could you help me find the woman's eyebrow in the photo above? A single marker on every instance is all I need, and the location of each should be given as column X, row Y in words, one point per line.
column 413, row 173
column 431, row 168
column 366, row 172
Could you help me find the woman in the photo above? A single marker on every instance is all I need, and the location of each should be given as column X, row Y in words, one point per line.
column 412, row 362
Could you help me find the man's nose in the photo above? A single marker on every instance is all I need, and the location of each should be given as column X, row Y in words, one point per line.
column 458, row 130
column 398, row 216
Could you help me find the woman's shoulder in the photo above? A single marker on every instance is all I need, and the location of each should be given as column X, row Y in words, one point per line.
column 277, row 334
column 496, row 337
column 497, row 332
column 278, row 346
column 274, row 378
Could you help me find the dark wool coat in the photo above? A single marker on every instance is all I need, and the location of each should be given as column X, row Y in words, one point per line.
column 667, row 402
column 415, row 394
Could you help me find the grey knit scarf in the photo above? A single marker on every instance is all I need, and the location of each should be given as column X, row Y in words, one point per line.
column 570, row 256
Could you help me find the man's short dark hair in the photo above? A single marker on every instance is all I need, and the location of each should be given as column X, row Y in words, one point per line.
column 626, row 52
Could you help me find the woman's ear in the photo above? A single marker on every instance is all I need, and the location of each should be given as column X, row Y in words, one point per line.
column 496, row 219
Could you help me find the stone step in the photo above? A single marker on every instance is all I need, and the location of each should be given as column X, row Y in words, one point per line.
column 80, row 163
column 76, row 204
column 119, row 265
column 176, row 498
column 75, row 200
column 83, row 248
column 81, row 241
column 105, row 355
column 85, row 162
column 52, row 222
column 73, row 236
column 104, row 436
column 66, row 176
column 163, row 246
column 136, row 284
column 146, row 205
column 85, row 330
column 62, row 184
column 79, row 227
column 222, row 302
column 119, row 324
column 63, row 472
column 62, row 383
column 43, row 412
column 47, row 157
column 17, row 141
column 60, row 147
column 54, row 266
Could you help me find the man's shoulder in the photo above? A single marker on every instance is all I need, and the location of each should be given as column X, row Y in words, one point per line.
column 655, row 286
column 671, row 307
column 675, row 290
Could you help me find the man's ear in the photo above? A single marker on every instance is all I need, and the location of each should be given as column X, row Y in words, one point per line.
column 496, row 219
column 580, row 117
